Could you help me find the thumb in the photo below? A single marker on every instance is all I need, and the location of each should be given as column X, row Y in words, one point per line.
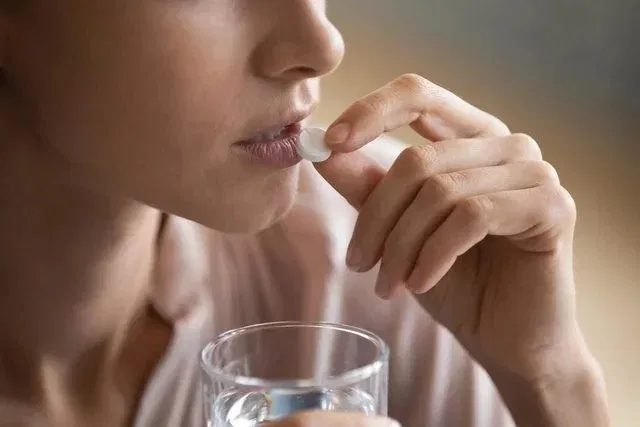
column 354, row 175
column 334, row 419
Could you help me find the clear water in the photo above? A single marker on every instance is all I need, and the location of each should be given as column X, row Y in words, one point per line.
column 249, row 409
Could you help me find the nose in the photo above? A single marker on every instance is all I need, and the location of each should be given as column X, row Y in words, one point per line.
column 302, row 44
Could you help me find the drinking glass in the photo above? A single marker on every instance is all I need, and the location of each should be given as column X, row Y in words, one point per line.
column 269, row 371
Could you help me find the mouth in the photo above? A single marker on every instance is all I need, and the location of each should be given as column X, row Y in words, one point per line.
column 276, row 146
column 276, row 134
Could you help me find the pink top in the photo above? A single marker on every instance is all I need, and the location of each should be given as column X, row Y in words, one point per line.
column 212, row 282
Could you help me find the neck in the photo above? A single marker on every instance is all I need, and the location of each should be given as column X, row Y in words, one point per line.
column 75, row 266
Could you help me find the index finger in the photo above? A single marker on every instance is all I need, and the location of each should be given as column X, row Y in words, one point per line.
column 432, row 111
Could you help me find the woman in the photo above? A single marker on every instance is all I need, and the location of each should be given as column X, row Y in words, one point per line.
column 119, row 118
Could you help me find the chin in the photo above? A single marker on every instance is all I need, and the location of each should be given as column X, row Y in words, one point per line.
column 253, row 221
column 240, row 219
column 257, row 209
column 246, row 206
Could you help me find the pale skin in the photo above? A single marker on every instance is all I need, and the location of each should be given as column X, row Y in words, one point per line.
column 477, row 225
column 474, row 222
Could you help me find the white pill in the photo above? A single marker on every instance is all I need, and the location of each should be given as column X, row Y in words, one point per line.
column 311, row 145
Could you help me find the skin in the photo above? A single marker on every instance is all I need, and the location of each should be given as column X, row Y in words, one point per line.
column 111, row 111
column 477, row 225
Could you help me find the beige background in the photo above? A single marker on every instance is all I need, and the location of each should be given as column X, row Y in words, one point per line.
column 562, row 71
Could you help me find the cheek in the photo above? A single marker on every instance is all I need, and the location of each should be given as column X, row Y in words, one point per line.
column 148, row 108
column 143, row 94
column 120, row 87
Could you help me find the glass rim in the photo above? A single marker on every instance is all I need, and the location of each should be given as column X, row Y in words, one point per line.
column 351, row 376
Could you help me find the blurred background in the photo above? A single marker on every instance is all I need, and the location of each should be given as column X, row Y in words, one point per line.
column 566, row 72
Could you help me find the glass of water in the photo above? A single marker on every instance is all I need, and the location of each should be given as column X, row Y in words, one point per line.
column 270, row 371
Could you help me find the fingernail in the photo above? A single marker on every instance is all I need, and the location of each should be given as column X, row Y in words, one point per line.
column 419, row 282
column 337, row 134
column 354, row 258
column 413, row 284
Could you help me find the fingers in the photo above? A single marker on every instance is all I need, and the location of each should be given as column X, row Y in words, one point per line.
column 429, row 170
column 532, row 217
column 432, row 111
column 334, row 419
column 399, row 243
column 354, row 175
column 439, row 200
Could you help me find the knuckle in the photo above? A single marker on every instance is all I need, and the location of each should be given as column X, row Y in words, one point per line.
column 561, row 208
column 420, row 157
column 373, row 104
column 547, row 172
column 542, row 171
column 525, row 147
column 456, row 180
column 496, row 127
column 439, row 189
column 413, row 82
column 475, row 209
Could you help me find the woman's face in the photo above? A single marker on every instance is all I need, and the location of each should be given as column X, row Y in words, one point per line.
column 150, row 97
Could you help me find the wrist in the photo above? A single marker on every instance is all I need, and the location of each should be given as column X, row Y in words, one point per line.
column 571, row 395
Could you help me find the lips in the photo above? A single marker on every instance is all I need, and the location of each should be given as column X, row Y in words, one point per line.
column 277, row 134
column 269, row 136
column 276, row 147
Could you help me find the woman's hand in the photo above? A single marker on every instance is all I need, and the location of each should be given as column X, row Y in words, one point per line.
column 474, row 222
column 334, row 419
